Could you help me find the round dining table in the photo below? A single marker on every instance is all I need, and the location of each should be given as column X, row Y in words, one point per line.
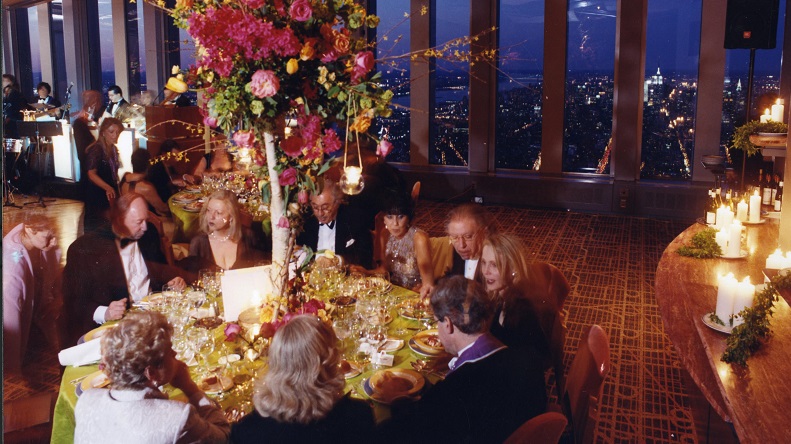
column 187, row 221
column 400, row 327
column 755, row 398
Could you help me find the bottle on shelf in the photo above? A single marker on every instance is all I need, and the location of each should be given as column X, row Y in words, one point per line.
column 760, row 184
column 711, row 209
column 766, row 196
column 779, row 196
column 774, row 189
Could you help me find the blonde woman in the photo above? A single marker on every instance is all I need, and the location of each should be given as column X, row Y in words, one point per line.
column 102, row 163
column 138, row 358
column 301, row 398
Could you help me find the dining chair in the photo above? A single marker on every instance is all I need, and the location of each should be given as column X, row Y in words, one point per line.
column 584, row 383
column 441, row 255
column 415, row 192
column 546, row 428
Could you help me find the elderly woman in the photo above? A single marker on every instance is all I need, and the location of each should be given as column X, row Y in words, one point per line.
column 31, row 265
column 224, row 243
column 406, row 248
column 102, row 163
column 300, row 399
column 529, row 295
column 138, row 357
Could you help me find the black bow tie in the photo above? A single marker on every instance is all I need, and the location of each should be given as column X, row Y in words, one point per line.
column 329, row 225
column 126, row 241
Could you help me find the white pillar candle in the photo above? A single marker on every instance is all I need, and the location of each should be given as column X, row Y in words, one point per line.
column 775, row 260
column 724, row 217
column 726, row 295
column 755, row 208
column 766, row 117
column 721, row 237
column 741, row 211
column 735, row 239
column 745, row 293
column 777, row 111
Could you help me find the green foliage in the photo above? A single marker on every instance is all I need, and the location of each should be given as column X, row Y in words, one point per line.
column 741, row 137
column 703, row 246
column 748, row 338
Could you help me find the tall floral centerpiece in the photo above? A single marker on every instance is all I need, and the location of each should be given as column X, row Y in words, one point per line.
column 263, row 63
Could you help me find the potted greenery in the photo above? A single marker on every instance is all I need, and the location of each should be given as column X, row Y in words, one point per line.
column 753, row 135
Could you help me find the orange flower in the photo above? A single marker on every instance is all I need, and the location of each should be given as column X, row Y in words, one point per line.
column 292, row 66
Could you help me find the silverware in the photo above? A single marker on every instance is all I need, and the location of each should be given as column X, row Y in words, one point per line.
column 78, row 380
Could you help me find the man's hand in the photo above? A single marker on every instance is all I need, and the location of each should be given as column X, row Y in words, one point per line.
column 115, row 310
column 177, row 283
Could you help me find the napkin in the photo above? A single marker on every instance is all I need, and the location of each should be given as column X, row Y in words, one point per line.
column 83, row 354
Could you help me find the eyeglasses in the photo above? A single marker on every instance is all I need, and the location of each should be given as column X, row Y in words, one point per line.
column 469, row 237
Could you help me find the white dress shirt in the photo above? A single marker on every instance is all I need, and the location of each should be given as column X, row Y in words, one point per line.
column 137, row 280
column 326, row 237
column 470, row 265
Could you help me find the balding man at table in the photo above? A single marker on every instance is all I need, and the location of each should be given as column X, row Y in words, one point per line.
column 106, row 271
column 467, row 227
column 490, row 389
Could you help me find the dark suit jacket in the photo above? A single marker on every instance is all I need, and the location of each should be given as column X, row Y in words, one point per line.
column 94, row 276
column 458, row 265
column 350, row 226
column 479, row 402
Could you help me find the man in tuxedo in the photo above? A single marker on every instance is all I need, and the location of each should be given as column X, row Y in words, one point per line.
column 44, row 91
column 106, row 271
column 490, row 389
column 467, row 227
column 118, row 105
column 337, row 227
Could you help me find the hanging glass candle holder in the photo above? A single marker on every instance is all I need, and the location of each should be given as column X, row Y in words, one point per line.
column 352, row 182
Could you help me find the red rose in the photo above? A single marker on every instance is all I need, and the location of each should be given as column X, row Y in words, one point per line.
column 300, row 11
column 292, row 146
column 232, row 331
column 288, row 177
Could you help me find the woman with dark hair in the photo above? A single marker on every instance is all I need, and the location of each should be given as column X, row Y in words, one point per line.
column 102, row 163
column 138, row 358
column 84, row 121
column 224, row 243
column 406, row 248
column 300, row 399
column 31, row 265
column 136, row 181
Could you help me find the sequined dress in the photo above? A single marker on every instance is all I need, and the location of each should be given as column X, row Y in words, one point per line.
column 401, row 260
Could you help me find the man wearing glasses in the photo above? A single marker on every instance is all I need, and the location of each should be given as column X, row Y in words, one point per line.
column 337, row 228
column 467, row 227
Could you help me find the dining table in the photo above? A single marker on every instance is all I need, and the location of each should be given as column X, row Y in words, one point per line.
column 398, row 326
column 186, row 219
column 754, row 398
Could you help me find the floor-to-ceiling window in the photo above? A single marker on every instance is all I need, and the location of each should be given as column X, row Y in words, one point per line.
column 107, row 37
column 519, row 84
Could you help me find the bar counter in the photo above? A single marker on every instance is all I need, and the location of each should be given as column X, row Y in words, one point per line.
column 755, row 399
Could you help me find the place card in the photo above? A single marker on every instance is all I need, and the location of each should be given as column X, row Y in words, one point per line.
column 244, row 288
column 382, row 359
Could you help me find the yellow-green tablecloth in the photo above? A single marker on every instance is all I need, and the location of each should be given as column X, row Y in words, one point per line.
column 63, row 421
column 187, row 222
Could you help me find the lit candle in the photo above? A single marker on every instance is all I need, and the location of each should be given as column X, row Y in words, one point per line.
column 735, row 239
column 721, row 237
column 741, row 211
column 724, row 217
column 778, row 110
column 755, row 208
column 766, row 117
column 775, row 261
column 256, row 299
column 726, row 295
column 745, row 293
column 353, row 174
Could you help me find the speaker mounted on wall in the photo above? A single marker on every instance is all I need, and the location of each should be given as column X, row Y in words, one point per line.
column 751, row 24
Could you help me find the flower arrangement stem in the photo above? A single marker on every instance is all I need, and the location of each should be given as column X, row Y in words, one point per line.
column 277, row 209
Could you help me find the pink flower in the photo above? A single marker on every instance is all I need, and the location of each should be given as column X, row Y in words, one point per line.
column 244, row 139
column 255, row 4
column 283, row 222
column 300, row 10
column 288, row 177
column 331, row 141
column 264, row 84
column 292, row 146
column 363, row 64
column 383, row 148
column 303, row 196
column 211, row 121
column 232, row 330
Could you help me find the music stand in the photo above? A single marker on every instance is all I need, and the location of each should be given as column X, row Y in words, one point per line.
column 38, row 129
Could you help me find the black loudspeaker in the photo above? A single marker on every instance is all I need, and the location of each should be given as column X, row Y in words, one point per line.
column 751, row 24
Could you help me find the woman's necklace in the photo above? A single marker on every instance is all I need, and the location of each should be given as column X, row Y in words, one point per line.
column 219, row 238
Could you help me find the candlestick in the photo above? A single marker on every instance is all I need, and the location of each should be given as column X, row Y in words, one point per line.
column 726, row 295
column 778, row 110
column 741, row 211
column 755, row 208
column 745, row 293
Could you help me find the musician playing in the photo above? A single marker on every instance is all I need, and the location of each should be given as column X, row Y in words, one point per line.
column 44, row 97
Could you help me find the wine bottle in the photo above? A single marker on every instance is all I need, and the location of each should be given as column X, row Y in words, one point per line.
column 711, row 209
column 774, row 188
column 779, row 196
column 766, row 197
column 760, row 184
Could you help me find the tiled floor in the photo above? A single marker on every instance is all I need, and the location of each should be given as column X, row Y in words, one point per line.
column 610, row 263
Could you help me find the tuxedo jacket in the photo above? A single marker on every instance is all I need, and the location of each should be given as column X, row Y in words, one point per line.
column 458, row 265
column 94, row 276
column 49, row 101
column 353, row 240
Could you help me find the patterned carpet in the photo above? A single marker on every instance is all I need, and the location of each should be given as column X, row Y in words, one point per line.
column 610, row 263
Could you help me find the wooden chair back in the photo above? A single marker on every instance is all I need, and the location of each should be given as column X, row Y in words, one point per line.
column 546, row 428
column 415, row 192
column 551, row 291
column 584, row 383
column 441, row 255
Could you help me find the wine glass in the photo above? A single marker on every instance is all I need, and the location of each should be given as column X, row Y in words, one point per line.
column 196, row 298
